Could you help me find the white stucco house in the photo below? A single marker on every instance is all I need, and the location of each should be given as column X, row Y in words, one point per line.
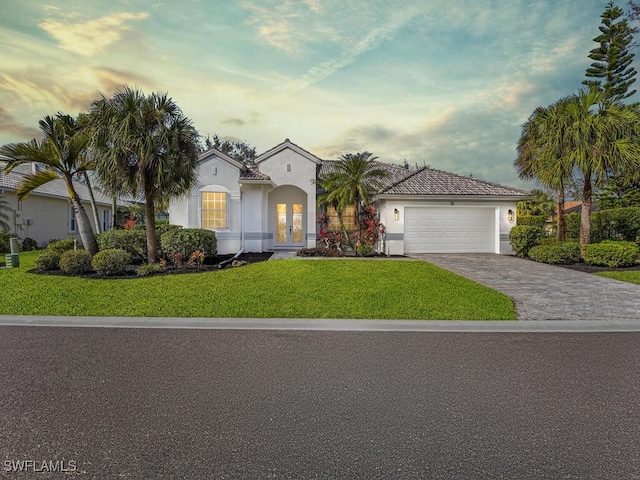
column 46, row 213
column 272, row 205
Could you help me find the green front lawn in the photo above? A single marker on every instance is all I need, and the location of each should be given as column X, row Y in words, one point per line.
column 376, row 289
column 632, row 276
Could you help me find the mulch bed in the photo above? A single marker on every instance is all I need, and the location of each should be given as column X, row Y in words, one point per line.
column 583, row 267
column 212, row 266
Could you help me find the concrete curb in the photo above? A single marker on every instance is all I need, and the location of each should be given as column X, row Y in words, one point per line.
column 471, row 326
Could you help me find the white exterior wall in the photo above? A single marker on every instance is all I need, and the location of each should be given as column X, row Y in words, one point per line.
column 214, row 174
column 395, row 229
column 302, row 175
column 254, row 201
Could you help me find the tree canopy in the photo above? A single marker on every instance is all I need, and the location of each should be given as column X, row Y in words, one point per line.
column 612, row 59
column 145, row 146
column 62, row 152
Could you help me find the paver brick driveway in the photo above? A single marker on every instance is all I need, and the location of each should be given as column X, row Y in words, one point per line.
column 546, row 292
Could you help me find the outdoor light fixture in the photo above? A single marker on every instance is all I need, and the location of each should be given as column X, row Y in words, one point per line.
column 396, row 214
column 510, row 216
column 288, row 167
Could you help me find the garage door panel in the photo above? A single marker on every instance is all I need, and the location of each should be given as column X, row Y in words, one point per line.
column 449, row 230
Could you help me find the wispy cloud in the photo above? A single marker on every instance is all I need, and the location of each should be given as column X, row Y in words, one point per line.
column 93, row 36
column 9, row 125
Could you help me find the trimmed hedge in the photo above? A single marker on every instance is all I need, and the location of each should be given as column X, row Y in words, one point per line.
column 112, row 261
column 612, row 224
column 5, row 247
column 48, row 260
column 188, row 240
column 29, row 244
column 62, row 246
column 532, row 220
column 611, row 253
column 75, row 261
column 523, row 237
column 558, row 253
column 133, row 241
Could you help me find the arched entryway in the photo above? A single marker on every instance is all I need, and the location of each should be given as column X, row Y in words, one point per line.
column 287, row 217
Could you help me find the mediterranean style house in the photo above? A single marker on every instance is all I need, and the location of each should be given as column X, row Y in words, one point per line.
column 272, row 205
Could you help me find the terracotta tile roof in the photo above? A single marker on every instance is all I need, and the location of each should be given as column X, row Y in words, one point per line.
column 395, row 173
column 253, row 174
column 429, row 181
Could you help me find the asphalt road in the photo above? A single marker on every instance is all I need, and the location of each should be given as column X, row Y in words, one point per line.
column 195, row 404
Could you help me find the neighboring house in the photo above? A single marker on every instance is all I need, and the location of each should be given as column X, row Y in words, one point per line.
column 273, row 205
column 46, row 213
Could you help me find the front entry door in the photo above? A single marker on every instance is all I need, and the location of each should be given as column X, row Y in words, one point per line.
column 289, row 225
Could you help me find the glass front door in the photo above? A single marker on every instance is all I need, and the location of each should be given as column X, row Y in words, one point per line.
column 289, row 223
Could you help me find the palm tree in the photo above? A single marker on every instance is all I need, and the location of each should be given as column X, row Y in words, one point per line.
column 4, row 218
column 543, row 153
column 355, row 179
column 605, row 139
column 144, row 146
column 62, row 152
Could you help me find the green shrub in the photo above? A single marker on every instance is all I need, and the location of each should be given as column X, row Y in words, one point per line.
column 163, row 228
column 532, row 220
column 148, row 269
column 132, row 241
column 75, row 262
column 523, row 237
column 29, row 244
column 187, row 240
column 62, row 246
column 558, row 253
column 611, row 253
column 365, row 250
column 112, row 261
column 616, row 224
column 5, row 247
column 572, row 223
column 48, row 260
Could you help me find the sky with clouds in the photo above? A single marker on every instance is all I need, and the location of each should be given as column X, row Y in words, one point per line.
column 445, row 84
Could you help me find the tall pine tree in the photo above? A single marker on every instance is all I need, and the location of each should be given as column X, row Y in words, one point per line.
column 612, row 59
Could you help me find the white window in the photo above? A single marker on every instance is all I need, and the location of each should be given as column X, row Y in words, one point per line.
column 106, row 220
column 214, row 210
column 71, row 220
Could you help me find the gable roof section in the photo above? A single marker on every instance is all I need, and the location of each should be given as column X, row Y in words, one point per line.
column 431, row 182
column 55, row 188
column 287, row 144
column 212, row 152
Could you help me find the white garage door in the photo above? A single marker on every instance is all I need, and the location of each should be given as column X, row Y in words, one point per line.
column 449, row 230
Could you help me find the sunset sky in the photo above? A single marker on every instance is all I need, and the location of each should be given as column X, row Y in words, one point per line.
column 445, row 84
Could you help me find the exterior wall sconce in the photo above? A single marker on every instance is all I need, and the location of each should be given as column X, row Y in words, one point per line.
column 215, row 170
column 511, row 216
column 288, row 167
column 396, row 214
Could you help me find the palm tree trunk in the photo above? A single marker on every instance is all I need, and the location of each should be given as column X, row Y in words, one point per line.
column 150, row 212
column 84, row 225
column 94, row 208
column 561, row 224
column 114, row 212
column 585, row 218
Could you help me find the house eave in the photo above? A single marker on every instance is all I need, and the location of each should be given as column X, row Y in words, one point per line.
column 508, row 198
